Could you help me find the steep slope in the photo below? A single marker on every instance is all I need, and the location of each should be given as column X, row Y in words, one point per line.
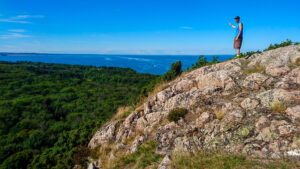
column 244, row 105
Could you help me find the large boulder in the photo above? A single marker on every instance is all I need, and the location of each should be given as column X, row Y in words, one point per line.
column 104, row 135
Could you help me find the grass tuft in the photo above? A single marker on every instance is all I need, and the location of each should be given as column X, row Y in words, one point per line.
column 123, row 112
column 219, row 114
column 176, row 114
column 278, row 107
column 297, row 62
column 257, row 68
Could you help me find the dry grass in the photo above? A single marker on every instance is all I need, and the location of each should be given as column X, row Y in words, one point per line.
column 219, row 113
column 123, row 112
column 278, row 107
column 294, row 64
column 221, row 160
column 257, row 68
column 104, row 152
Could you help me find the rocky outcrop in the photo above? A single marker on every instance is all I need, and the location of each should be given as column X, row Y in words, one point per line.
column 255, row 112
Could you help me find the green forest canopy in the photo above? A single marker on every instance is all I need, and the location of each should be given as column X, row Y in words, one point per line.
column 49, row 111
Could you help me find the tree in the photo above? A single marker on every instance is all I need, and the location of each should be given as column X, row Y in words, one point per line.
column 176, row 70
column 215, row 60
column 202, row 61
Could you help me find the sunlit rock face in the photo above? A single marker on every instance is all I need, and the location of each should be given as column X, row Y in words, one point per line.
column 244, row 105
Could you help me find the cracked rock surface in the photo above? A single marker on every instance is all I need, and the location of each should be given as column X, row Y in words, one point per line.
column 258, row 99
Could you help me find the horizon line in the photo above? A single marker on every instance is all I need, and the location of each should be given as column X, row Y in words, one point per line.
column 111, row 54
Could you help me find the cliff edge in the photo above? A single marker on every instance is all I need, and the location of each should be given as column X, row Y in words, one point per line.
column 249, row 106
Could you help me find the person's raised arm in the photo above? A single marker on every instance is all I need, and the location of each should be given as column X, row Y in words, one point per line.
column 232, row 25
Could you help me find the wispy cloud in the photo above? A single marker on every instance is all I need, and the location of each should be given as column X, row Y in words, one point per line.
column 17, row 30
column 14, row 34
column 21, row 19
column 186, row 27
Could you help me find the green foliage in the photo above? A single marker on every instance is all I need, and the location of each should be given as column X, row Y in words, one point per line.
column 18, row 160
column 271, row 47
column 282, row 44
column 247, row 54
column 48, row 112
column 221, row 160
column 202, row 61
column 215, row 60
column 143, row 157
column 176, row 70
column 176, row 114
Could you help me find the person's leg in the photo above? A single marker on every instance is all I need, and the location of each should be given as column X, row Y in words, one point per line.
column 235, row 47
column 240, row 46
column 238, row 52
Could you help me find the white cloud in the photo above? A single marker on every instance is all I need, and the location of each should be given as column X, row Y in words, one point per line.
column 17, row 30
column 21, row 19
column 14, row 35
column 186, row 27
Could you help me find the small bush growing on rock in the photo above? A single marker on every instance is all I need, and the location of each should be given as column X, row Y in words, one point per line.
column 247, row 54
column 278, row 107
column 219, row 114
column 176, row 114
column 176, row 70
column 202, row 61
column 282, row 44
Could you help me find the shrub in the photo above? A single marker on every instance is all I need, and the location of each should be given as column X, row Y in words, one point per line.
column 202, row 61
column 176, row 114
column 282, row 44
column 176, row 70
column 247, row 54
column 278, row 106
column 215, row 59
column 271, row 47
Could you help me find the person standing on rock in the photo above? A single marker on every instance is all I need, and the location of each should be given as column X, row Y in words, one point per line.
column 238, row 39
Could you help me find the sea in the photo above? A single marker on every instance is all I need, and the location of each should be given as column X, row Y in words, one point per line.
column 153, row 64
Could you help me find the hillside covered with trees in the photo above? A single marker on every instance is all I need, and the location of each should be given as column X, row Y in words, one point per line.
column 48, row 112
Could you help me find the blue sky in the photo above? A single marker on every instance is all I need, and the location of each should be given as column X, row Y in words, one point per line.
column 143, row 26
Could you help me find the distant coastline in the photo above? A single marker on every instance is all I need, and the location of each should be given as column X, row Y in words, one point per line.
column 153, row 64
